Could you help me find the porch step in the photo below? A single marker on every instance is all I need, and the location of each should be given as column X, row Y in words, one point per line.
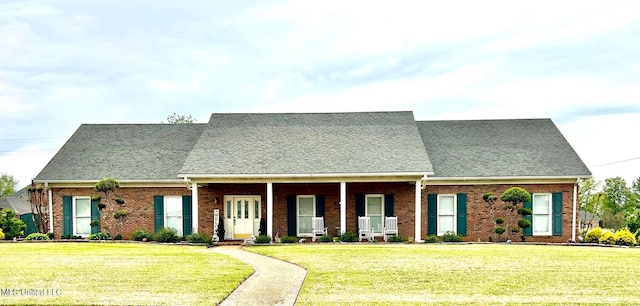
column 229, row 242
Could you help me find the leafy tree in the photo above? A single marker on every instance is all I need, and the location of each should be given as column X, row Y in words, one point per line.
column 180, row 119
column 7, row 185
column 10, row 224
column 515, row 196
column 108, row 187
column 618, row 197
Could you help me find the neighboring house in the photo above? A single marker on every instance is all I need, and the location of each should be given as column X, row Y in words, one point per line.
column 287, row 168
column 587, row 221
column 19, row 203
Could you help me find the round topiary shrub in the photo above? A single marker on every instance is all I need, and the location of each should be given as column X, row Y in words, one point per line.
column 624, row 237
column 499, row 220
column 500, row 230
column 593, row 235
column 139, row 234
column 37, row 236
column 167, row 234
column 524, row 223
column 607, row 238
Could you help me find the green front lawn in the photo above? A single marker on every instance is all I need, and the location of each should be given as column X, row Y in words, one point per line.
column 116, row 273
column 461, row 274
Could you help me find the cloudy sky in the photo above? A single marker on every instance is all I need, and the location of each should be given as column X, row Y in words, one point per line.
column 64, row 63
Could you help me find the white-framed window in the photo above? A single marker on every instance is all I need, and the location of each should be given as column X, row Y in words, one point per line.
column 173, row 213
column 81, row 216
column 306, row 210
column 541, row 217
column 374, row 209
column 446, row 213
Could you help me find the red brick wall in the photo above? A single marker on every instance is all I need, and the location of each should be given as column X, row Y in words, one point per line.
column 139, row 203
column 479, row 223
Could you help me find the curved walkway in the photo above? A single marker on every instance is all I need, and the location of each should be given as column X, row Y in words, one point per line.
column 274, row 281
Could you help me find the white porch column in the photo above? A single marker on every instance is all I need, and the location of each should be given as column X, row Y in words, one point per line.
column 270, row 209
column 50, row 201
column 194, row 208
column 573, row 215
column 343, row 207
column 418, row 212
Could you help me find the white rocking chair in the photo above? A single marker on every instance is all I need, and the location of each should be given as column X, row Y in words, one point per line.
column 390, row 227
column 318, row 228
column 364, row 229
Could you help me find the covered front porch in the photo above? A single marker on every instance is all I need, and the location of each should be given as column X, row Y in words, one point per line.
column 279, row 208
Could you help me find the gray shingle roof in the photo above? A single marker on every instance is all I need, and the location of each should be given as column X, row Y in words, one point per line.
column 19, row 205
column 318, row 143
column 123, row 151
column 500, row 148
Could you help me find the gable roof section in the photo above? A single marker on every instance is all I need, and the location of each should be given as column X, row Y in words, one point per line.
column 123, row 151
column 19, row 205
column 307, row 144
column 499, row 148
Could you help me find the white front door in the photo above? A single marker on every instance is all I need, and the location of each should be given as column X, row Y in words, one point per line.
column 242, row 216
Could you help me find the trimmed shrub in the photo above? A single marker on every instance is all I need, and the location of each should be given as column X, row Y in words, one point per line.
column 524, row 223
column 119, row 200
column 524, row 211
column 500, row 230
column 167, row 234
column 199, row 238
column 431, row 239
column 396, row 238
column 120, row 214
column 288, row 239
column 499, row 220
column 515, row 230
column 451, row 237
column 99, row 236
column 593, row 235
column 348, row 237
column 51, row 236
column 37, row 236
column 1, row 234
column 10, row 224
column 140, row 234
column 607, row 238
column 326, row 238
column 117, row 237
column 263, row 239
column 624, row 237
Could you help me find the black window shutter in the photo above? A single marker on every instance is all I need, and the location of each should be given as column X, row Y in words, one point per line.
column 388, row 205
column 319, row 206
column 432, row 214
column 360, row 199
column 291, row 215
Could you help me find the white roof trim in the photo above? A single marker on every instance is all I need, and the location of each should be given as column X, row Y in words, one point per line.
column 303, row 175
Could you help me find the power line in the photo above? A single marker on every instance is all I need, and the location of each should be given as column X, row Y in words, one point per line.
column 618, row 162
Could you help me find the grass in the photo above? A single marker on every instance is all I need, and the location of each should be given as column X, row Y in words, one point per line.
column 463, row 274
column 118, row 273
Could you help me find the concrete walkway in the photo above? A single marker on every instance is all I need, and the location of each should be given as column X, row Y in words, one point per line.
column 274, row 282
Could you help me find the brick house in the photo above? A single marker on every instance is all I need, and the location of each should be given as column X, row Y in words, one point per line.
column 279, row 170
